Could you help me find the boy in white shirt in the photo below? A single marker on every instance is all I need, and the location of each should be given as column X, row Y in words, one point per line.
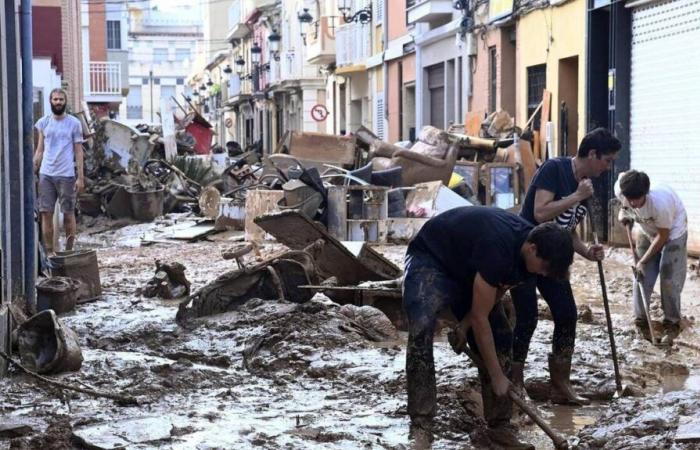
column 661, row 245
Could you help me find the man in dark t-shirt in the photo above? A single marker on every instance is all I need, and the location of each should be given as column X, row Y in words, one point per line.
column 557, row 194
column 465, row 259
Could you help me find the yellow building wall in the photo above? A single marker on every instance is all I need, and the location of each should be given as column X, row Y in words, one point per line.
column 546, row 36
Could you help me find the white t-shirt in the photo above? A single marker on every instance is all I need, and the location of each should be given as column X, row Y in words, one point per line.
column 662, row 209
column 59, row 137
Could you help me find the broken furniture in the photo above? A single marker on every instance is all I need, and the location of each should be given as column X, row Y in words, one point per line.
column 431, row 158
column 317, row 149
column 124, row 143
column 350, row 262
column 57, row 293
column 501, row 184
column 201, row 131
column 275, row 278
column 81, row 266
column 47, row 346
column 357, row 213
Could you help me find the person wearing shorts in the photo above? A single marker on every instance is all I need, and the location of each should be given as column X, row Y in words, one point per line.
column 58, row 159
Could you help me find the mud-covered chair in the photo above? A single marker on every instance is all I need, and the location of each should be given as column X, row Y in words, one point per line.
column 431, row 158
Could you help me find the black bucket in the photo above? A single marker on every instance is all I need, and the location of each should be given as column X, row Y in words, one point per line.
column 146, row 205
column 57, row 293
column 81, row 266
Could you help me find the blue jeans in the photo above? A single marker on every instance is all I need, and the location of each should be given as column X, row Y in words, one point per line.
column 427, row 289
column 671, row 263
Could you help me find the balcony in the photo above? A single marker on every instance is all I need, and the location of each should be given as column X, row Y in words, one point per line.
column 104, row 82
column 320, row 43
column 353, row 45
column 237, row 28
column 430, row 11
column 238, row 90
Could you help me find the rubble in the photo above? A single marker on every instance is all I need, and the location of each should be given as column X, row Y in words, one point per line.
column 168, row 282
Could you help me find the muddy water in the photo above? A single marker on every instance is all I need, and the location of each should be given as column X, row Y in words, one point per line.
column 276, row 375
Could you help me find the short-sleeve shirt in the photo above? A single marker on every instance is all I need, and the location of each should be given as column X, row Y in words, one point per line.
column 556, row 175
column 662, row 209
column 59, row 138
column 476, row 239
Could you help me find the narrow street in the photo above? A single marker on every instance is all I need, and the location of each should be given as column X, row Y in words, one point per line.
column 283, row 375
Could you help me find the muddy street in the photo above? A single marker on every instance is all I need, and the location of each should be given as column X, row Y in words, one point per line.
column 276, row 374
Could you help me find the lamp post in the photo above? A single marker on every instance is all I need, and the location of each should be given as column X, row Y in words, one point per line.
column 274, row 39
column 305, row 20
column 363, row 16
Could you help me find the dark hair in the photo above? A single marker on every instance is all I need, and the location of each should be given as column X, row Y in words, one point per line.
column 554, row 245
column 634, row 184
column 600, row 140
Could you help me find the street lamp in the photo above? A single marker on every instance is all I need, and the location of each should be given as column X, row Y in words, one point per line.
column 255, row 53
column 240, row 65
column 228, row 70
column 305, row 20
column 363, row 16
column 274, row 40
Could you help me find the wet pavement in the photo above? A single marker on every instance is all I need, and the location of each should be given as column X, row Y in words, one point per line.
column 281, row 375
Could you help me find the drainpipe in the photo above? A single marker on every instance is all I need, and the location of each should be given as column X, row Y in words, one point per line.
column 385, row 66
column 27, row 155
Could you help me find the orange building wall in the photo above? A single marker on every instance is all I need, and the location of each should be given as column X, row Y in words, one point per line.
column 394, row 108
column 505, row 72
column 98, row 32
column 397, row 18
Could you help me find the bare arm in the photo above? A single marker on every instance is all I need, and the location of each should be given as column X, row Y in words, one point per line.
column 39, row 151
column 80, row 181
column 484, row 298
column 656, row 245
column 546, row 208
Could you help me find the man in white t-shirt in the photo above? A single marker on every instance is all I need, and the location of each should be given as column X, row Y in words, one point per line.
column 661, row 243
column 58, row 159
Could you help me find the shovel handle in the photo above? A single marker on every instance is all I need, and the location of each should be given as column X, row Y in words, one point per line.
column 559, row 441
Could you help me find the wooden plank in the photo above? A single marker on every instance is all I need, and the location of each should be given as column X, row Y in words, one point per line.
column 537, row 150
column 297, row 231
column 192, row 233
column 544, row 118
column 688, row 430
column 527, row 161
column 257, row 203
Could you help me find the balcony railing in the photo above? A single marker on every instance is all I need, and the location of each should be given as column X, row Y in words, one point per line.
column 105, row 78
column 352, row 44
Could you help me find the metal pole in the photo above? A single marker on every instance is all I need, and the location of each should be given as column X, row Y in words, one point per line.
column 150, row 81
column 11, row 172
column 30, row 251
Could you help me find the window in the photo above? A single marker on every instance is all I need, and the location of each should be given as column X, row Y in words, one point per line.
column 160, row 55
column 493, row 77
column 156, row 81
column 145, row 80
column 536, row 82
column 167, row 91
column 134, row 108
column 114, row 35
column 180, row 81
column 182, row 54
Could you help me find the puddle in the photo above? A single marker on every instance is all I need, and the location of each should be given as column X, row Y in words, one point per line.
column 567, row 420
column 671, row 383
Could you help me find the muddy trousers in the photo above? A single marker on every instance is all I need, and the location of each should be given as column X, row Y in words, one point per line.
column 670, row 264
column 426, row 291
column 560, row 300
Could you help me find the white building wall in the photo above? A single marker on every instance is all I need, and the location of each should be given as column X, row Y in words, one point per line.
column 45, row 79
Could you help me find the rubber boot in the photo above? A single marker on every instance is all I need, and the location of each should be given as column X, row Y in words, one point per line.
column 497, row 412
column 420, row 433
column 517, row 377
column 560, row 373
column 642, row 327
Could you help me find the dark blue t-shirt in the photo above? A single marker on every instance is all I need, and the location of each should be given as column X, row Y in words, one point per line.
column 474, row 239
column 556, row 175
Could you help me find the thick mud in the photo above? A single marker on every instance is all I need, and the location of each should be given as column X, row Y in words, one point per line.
column 317, row 375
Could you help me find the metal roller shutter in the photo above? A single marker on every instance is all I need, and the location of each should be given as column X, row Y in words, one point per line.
column 665, row 101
